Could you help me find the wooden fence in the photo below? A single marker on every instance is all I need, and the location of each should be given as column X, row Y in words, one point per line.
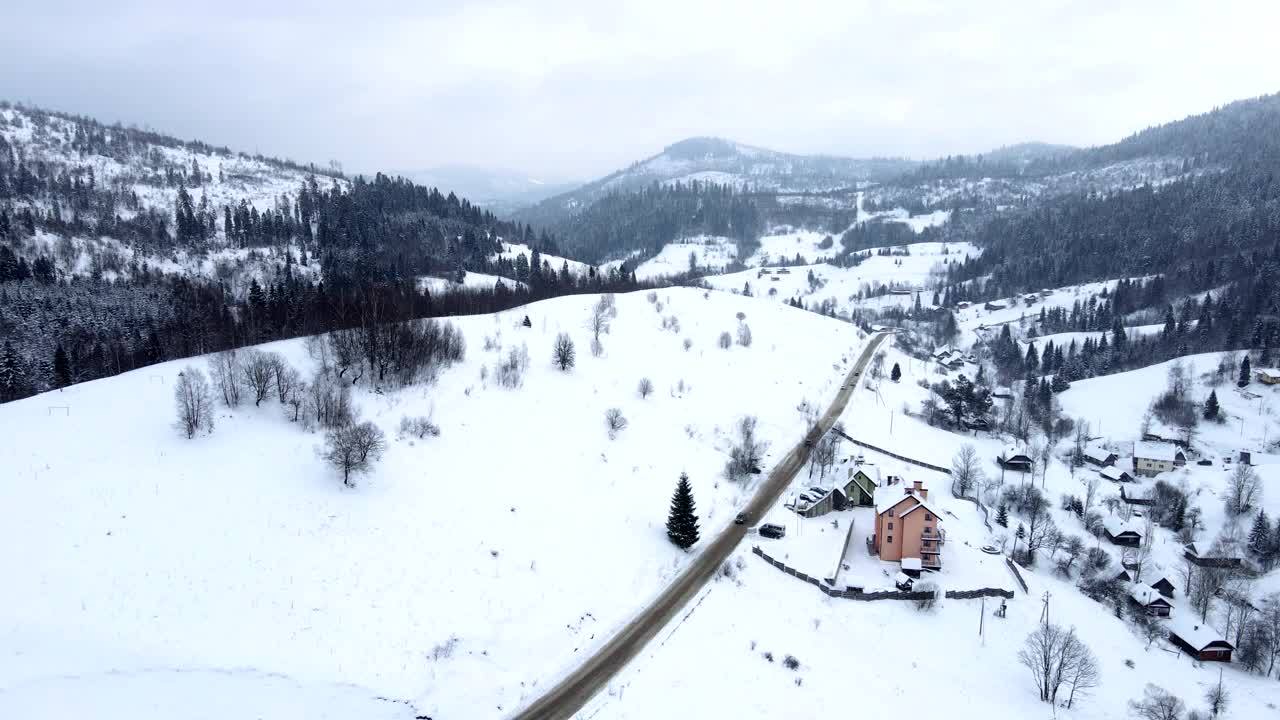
column 881, row 595
column 903, row 458
column 1017, row 574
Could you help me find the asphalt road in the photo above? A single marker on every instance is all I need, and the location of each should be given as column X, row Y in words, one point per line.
column 572, row 692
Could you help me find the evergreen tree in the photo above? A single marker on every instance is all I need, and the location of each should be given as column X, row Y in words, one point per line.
column 1002, row 516
column 1059, row 383
column 682, row 521
column 1032, row 362
column 61, row 368
column 1211, row 409
column 1260, row 536
column 11, row 380
column 1245, row 372
column 896, row 373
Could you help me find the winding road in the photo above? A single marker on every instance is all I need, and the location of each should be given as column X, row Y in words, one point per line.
column 573, row 691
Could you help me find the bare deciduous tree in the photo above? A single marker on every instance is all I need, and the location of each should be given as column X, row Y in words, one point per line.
column 224, row 369
column 614, row 421
column 726, row 340
column 257, row 370
column 563, row 354
column 1158, row 704
column 1243, row 490
column 287, row 379
column 419, row 427
column 645, row 387
column 966, row 470
column 598, row 321
column 354, row 448
column 746, row 456
column 1057, row 657
column 744, row 335
column 329, row 401
column 194, row 401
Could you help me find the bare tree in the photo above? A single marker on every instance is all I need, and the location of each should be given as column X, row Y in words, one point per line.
column 354, row 448
column 1243, row 490
column 746, row 456
column 419, row 427
column 614, row 421
column 1136, row 558
column 224, row 369
column 347, row 353
column 966, row 470
column 1217, row 697
column 598, row 322
column 824, row 454
column 563, row 353
column 257, row 370
column 744, row 335
column 329, row 402
column 726, row 340
column 1237, row 607
column 1204, row 588
column 296, row 400
column 287, row 379
column 645, row 388
column 876, row 370
column 1057, row 657
column 194, row 401
column 1158, row 704
column 1090, row 491
column 1079, row 443
column 1269, row 625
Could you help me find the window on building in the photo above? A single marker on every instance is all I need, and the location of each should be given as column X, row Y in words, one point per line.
column 889, row 539
column 890, row 526
column 927, row 517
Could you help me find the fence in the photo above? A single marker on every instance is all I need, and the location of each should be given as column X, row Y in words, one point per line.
column 903, row 458
column 882, row 595
column 1017, row 574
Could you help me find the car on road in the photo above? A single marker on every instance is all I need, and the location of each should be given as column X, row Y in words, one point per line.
column 771, row 531
column 740, row 519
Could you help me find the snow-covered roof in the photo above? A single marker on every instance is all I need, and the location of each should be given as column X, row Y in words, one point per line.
column 1145, row 595
column 901, row 579
column 1270, row 372
column 1111, row 472
column 911, row 564
column 1098, row 455
column 1194, row 632
column 1137, row 492
column 1115, row 526
column 1014, row 451
column 1155, row 451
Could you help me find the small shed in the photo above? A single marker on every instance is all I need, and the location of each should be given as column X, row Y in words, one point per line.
column 1164, row 586
column 1149, row 599
column 1115, row 474
column 912, row 566
column 1137, row 494
column 1015, row 459
column 1119, row 532
column 1197, row 554
column 1199, row 640
column 1100, row 456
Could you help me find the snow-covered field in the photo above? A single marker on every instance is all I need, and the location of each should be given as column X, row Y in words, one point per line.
column 482, row 281
column 936, row 663
column 783, row 245
column 709, row 252
column 842, row 285
column 1064, row 339
column 463, row 575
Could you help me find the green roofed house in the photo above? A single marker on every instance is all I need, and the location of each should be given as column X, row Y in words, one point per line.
column 861, row 483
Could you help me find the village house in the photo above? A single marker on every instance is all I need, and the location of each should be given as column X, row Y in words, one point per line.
column 1115, row 474
column 858, row 488
column 995, row 306
column 1137, row 494
column 963, row 305
column 907, row 526
column 1015, row 459
column 1099, row 456
column 1164, row 586
column 1153, row 458
column 1149, row 599
column 1198, row 554
column 1268, row 376
column 1198, row 639
column 1120, row 532
column 860, row 485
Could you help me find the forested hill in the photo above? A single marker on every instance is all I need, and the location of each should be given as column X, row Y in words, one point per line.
column 1240, row 133
column 121, row 247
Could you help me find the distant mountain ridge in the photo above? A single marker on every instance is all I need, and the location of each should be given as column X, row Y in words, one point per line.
column 500, row 190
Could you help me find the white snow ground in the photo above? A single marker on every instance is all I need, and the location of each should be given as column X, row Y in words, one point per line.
column 461, row 576
column 709, row 251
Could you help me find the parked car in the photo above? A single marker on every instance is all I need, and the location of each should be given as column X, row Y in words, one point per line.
column 771, row 531
column 740, row 518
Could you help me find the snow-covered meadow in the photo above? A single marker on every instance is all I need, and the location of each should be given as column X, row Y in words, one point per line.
column 461, row 576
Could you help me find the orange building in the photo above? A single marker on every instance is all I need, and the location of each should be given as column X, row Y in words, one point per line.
column 907, row 526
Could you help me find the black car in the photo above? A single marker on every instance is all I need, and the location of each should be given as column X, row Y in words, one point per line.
column 772, row 531
column 740, row 519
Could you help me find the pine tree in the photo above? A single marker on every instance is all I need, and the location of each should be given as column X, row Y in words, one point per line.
column 1211, row 406
column 1002, row 516
column 61, row 368
column 10, row 373
column 1245, row 372
column 682, row 522
column 895, row 374
column 1260, row 535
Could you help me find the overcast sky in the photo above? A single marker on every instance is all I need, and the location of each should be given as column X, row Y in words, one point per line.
column 577, row 88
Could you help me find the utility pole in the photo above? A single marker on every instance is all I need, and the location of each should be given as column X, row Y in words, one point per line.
column 1044, row 614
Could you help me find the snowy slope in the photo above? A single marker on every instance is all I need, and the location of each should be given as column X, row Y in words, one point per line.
column 710, row 252
column 465, row 572
column 511, row 251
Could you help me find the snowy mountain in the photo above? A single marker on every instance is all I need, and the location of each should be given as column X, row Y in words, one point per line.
column 723, row 162
column 503, row 191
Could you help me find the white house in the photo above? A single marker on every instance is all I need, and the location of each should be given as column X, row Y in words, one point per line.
column 1153, row 458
